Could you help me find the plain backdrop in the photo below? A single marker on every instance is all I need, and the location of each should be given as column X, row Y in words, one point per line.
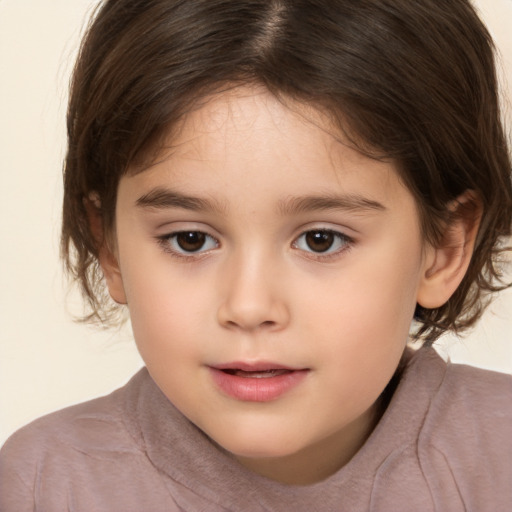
column 46, row 360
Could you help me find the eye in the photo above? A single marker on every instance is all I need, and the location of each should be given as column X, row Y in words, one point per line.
column 187, row 242
column 322, row 241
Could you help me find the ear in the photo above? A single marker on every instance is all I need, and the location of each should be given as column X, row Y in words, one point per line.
column 106, row 257
column 112, row 275
column 446, row 265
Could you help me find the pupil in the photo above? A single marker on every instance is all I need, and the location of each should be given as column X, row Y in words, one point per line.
column 190, row 241
column 319, row 241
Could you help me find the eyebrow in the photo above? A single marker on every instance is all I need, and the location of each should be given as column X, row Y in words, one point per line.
column 349, row 202
column 162, row 198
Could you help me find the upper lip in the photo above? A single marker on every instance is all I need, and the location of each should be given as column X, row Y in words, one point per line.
column 257, row 366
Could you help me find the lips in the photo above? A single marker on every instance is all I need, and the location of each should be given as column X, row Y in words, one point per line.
column 259, row 382
column 264, row 374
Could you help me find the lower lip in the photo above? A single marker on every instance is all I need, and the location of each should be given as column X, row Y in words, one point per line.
column 252, row 389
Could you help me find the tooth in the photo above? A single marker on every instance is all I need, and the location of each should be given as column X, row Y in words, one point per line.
column 263, row 374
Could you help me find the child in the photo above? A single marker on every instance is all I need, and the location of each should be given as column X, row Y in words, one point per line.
column 276, row 189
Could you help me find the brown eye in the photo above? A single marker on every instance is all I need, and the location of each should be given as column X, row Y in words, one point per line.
column 190, row 241
column 320, row 241
column 183, row 243
column 324, row 242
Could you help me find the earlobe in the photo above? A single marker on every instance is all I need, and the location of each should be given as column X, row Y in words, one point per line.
column 446, row 264
column 107, row 260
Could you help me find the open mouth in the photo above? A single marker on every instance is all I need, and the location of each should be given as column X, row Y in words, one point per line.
column 260, row 382
column 258, row 374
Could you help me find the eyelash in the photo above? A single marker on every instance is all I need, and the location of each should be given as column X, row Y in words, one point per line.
column 343, row 241
column 166, row 242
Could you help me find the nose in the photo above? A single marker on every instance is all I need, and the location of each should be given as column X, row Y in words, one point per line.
column 253, row 296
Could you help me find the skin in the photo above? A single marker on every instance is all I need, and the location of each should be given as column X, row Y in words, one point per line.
column 256, row 291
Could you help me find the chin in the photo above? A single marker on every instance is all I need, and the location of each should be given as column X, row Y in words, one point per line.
column 259, row 445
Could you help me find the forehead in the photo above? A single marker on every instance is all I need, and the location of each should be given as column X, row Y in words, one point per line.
column 247, row 138
column 250, row 118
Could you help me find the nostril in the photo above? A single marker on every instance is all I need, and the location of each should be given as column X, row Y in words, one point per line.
column 265, row 324
column 266, row 313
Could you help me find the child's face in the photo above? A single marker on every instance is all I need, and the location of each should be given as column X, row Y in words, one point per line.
column 260, row 242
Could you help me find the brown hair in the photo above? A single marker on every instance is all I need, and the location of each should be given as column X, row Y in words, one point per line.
column 412, row 79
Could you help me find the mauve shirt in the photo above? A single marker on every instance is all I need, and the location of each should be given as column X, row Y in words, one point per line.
column 444, row 444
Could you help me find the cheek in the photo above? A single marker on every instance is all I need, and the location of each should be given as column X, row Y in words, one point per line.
column 362, row 319
column 377, row 295
column 167, row 311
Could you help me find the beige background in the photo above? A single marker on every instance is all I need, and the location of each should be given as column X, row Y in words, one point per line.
column 47, row 361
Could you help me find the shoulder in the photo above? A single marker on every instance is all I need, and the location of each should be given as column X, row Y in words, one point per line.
column 467, row 435
column 81, row 427
column 59, row 447
column 446, row 439
column 475, row 403
column 477, row 394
